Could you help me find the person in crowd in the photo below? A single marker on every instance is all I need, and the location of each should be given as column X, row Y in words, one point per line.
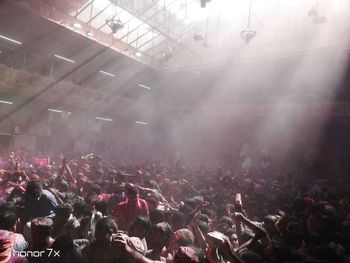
column 127, row 211
column 39, row 202
column 64, row 223
column 8, row 225
column 102, row 249
column 158, row 241
column 194, row 214
column 140, row 228
column 67, row 251
column 41, row 240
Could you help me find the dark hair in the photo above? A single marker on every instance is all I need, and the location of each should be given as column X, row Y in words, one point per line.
column 43, row 223
column 164, row 228
column 186, row 237
column 63, row 209
column 156, row 216
column 63, row 243
column 249, row 256
column 178, row 217
column 101, row 207
column 142, row 222
column 94, row 188
column 9, row 206
column 131, row 189
column 226, row 220
column 34, row 189
column 80, row 207
column 203, row 226
column 7, row 220
column 107, row 225
column 204, row 218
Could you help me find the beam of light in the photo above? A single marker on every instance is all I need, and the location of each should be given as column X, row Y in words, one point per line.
column 141, row 122
column 6, row 102
column 144, row 86
column 107, row 73
column 54, row 110
column 11, row 40
column 103, row 119
column 63, row 58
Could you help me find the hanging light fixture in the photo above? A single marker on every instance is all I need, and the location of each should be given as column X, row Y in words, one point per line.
column 314, row 14
column 114, row 23
column 248, row 34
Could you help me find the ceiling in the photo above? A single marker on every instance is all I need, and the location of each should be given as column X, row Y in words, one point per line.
column 178, row 34
column 172, row 35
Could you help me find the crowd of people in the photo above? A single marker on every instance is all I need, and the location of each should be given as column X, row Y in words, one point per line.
column 89, row 210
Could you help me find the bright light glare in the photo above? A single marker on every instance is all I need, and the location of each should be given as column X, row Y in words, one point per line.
column 11, row 40
column 144, row 86
column 77, row 25
column 141, row 122
column 107, row 73
column 6, row 102
column 63, row 58
column 104, row 119
column 54, row 110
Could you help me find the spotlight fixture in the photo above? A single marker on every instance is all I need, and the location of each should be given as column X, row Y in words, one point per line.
column 320, row 20
column 247, row 34
column 198, row 37
column 114, row 24
column 166, row 56
column 313, row 13
column 204, row 3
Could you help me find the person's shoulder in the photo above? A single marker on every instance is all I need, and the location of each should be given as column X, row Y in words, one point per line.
column 122, row 203
column 47, row 193
column 143, row 203
column 49, row 196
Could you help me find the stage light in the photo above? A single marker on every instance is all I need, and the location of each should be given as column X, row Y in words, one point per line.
column 10, row 40
column 63, row 58
column 204, row 3
column 320, row 20
column 114, row 24
column 247, row 35
column 90, row 34
column 313, row 12
column 198, row 37
column 138, row 54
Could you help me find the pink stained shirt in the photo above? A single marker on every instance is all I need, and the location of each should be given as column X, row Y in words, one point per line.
column 126, row 213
